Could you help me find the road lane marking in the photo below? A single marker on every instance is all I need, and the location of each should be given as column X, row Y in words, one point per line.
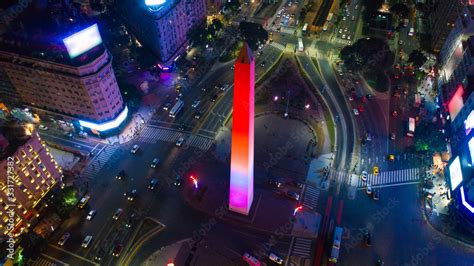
column 72, row 254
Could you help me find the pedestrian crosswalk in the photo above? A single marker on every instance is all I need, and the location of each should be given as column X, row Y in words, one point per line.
column 391, row 177
column 153, row 134
column 301, row 247
column 99, row 161
column 311, row 197
column 41, row 261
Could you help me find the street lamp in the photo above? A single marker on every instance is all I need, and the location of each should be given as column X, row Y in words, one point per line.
column 297, row 209
column 307, row 106
column 275, row 98
column 194, row 180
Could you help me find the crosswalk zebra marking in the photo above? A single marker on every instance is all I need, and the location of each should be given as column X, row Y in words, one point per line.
column 153, row 134
column 99, row 161
column 403, row 176
column 302, row 247
column 311, row 197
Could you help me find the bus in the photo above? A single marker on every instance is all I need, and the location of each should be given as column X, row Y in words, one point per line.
column 336, row 244
column 279, row 12
column 325, row 27
column 176, row 108
column 300, row 45
column 329, row 18
column 411, row 127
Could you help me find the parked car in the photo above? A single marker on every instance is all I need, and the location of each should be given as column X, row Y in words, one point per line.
column 293, row 195
column 275, row 258
column 64, row 238
column 356, row 112
column 131, row 194
column 91, row 215
column 369, row 189
column 87, row 240
column 177, row 181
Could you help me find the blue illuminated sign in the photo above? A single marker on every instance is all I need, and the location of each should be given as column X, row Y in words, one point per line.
column 107, row 125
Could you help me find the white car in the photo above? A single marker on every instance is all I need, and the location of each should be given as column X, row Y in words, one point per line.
column 369, row 189
column 356, row 112
column 135, row 149
column 275, row 258
column 180, row 142
column 343, row 36
column 63, row 239
column 91, row 215
column 87, row 241
column 42, row 127
column 348, row 37
column 155, row 162
column 196, row 103
column 364, row 176
column 340, row 31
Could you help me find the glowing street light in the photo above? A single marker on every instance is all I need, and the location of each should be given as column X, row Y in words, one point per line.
column 275, row 98
column 307, row 106
column 297, row 209
column 194, row 179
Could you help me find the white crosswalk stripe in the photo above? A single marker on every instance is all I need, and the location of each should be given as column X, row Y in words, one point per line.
column 392, row 177
column 311, row 197
column 40, row 261
column 302, row 247
column 153, row 134
column 99, row 161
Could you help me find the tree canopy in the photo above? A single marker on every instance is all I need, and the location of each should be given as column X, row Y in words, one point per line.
column 400, row 9
column 428, row 138
column 370, row 54
column 417, row 58
column 253, row 33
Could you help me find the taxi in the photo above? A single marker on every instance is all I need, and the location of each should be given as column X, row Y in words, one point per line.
column 376, row 171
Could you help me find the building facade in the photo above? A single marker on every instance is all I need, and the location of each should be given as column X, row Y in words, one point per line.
column 442, row 21
column 29, row 172
column 164, row 28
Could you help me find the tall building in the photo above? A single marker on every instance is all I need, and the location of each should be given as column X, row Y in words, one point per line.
column 442, row 21
column 242, row 148
column 59, row 68
column 28, row 173
column 162, row 25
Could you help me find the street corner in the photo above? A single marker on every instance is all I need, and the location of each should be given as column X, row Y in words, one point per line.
column 306, row 224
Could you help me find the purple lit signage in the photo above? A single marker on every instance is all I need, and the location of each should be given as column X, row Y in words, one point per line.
column 455, row 173
column 82, row 41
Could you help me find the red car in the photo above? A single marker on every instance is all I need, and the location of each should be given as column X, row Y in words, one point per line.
column 117, row 250
column 361, row 108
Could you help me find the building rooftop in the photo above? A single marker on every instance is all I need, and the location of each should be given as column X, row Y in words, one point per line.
column 38, row 31
column 12, row 136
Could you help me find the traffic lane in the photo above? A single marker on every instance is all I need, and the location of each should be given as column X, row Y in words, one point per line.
column 72, row 143
column 65, row 256
column 399, row 210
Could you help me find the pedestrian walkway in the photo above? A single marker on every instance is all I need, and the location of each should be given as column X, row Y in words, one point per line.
column 390, row 178
column 41, row 261
column 311, row 197
column 154, row 134
column 302, row 247
column 99, row 161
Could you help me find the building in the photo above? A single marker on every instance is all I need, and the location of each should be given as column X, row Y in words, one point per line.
column 61, row 70
column 242, row 147
column 162, row 26
column 28, row 173
column 442, row 21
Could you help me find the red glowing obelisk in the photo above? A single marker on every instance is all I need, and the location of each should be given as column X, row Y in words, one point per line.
column 241, row 164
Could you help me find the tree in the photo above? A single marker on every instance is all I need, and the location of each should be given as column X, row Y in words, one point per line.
column 417, row 58
column 400, row 9
column 198, row 36
column 371, row 7
column 367, row 55
column 253, row 33
column 428, row 138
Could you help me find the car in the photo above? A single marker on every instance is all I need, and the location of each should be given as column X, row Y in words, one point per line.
column 391, row 157
column 375, row 170
column 117, row 214
column 343, row 36
column 394, row 113
column 64, row 238
column 178, row 97
column 117, row 250
column 369, row 189
column 351, row 98
column 393, row 136
column 379, row 263
column 153, row 184
column 340, row 31
column 68, row 134
column 364, row 176
column 405, row 91
column 131, row 194
column 275, row 258
column 83, row 134
column 135, row 149
column 196, row 103
column 83, row 201
column 353, row 18
column 348, row 36
column 275, row 183
column 180, row 142
column 121, row 175
column 361, row 109
column 298, row 184
column 181, row 127
column 177, row 181
column 91, row 215
column 131, row 220
column 43, row 127
column 368, row 136
column 344, row 18
column 87, row 240
column 167, row 106
column 232, row 67
column 197, row 115
column 262, row 64
column 293, row 195
column 155, row 163
column 99, row 255
column 367, row 239
column 369, row 96
column 251, row 260
column 214, row 97
column 356, row 112
column 375, row 195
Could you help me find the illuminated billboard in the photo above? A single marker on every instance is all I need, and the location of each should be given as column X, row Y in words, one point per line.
column 469, row 122
column 82, row 41
column 455, row 173
column 456, row 102
column 471, row 149
column 464, row 201
column 154, row 2
column 107, row 125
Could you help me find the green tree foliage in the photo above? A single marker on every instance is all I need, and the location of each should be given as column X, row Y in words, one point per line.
column 428, row 138
column 400, row 9
column 371, row 7
column 367, row 55
column 417, row 58
column 253, row 33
